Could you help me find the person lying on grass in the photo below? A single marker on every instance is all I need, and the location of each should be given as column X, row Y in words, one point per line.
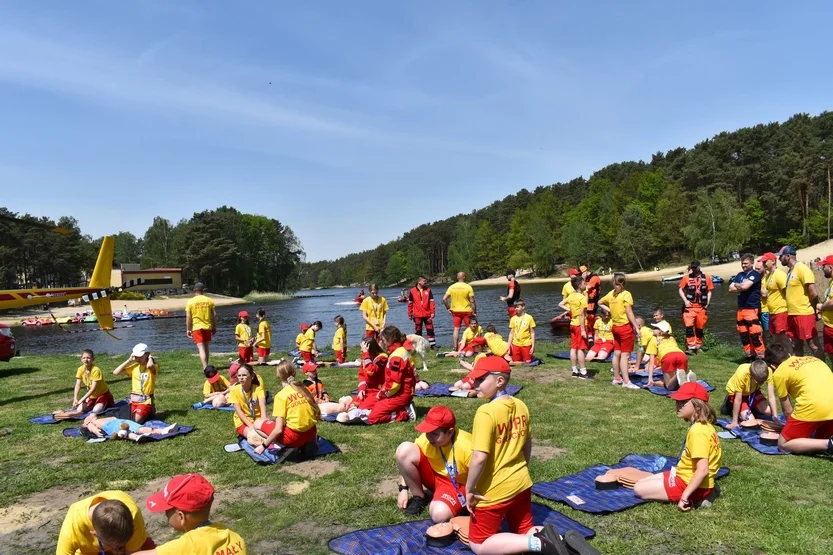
column 216, row 388
column 467, row 382
column 118, row 428
column 437, row 461
column 98, row 396
column 692, row 480
column 108, row 522
column 743, row 393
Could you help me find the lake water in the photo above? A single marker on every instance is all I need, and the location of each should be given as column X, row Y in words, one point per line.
column 286, row 316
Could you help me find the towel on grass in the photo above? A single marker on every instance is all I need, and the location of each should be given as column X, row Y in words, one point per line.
column 325, row 447
column 177, row 431
column 565, row 355
column 441, row 390
column 206, row 405
column 641, row 379
column 49, row 419
column 751, row 438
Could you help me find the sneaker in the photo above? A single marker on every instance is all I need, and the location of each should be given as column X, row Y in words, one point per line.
column 830, row 446
column 551, row 541
column 617, row 381
column 284, row 454
column 309, row 450
column 577, row 544
column 630, row 385
column 574, row 374
column 681, row 377
column 411, row 413
column 583, row 375
column 691, row 377
column 415, row 506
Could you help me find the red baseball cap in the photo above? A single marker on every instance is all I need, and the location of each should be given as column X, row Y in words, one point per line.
column 304, row 326
column 690, row 390
column 211, row 374
column 438, row 417
column 309, row 367
column 827, row 260
column 768, row 256
column 479, row 340
column 189, row 493
column 573, row 272
column 243, row 314
column 489, row 364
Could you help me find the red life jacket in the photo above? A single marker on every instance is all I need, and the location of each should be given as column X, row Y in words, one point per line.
column 516, row 292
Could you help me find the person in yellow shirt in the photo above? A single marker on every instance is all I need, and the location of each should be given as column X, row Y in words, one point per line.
column 576, row 304
column 620, row 304
column 98, row 396
column 743, row 394
column 263, row 341
column 216, row 388
column 201, row 321
column 437, row 461
column 142, row 369
column 602, row 339
column 802, row 298
column 521, row 334
column 248, row 397
column 825, row 307
column 340, row 339
column 673, row 361
column 308, row 348
column 568, row 288
column 374, row 310
column 808, row 381
column 646, row 334
column 462, row 305
column 300, row 337
column 466, row 383
column 295, row 414
column 243, row 335
column 659, row 316
column 692, row 480
column 774, row 295
column 498, row 486
column 497, row 346
column 108, row 522
column 186, row 501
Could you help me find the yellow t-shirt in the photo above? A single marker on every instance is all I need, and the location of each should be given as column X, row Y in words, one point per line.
column 94, row 376
column 307, row 340
column 211, row 539
column 201, row 309
column 576, row 301
column 375, row 311
column 567, row 289
column 775, row 283
column 742, row 382
column 339, row 339
column 670, row 329
column 294, row 407
column 809, row 382
column 461, row 455
column 501, row 429
column 701, row 442
column 522, row 326
column 646, row 334
column 76, row 538
column 661, row 347
column 264, row 329
column 461, row 294
column 468, row 335
column 217, row 387
column 248, row 403
column 827, row 315
column 798, row 303
column 605, row 330
column 244, row 332
column 617, row 305
column 143, row 380
column 496, row 344
column 299, row 339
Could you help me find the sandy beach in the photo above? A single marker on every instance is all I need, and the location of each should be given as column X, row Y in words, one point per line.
column 172, row 304
column 819, row 250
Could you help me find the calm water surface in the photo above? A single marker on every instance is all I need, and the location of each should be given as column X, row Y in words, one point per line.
column 286, row 316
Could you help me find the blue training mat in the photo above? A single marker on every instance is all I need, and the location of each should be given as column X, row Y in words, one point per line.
column 582, row 486
column 49, row 419
column 565, row 355
column 325, row 447
column 641, row 379
column 441, row 390
column 178, row 431
column 408, row 538
column 751, row 438
column 206, row 405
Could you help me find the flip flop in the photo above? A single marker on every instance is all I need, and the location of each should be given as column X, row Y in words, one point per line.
column 232, row 447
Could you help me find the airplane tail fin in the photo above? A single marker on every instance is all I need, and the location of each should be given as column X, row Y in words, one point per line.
column 100, row 279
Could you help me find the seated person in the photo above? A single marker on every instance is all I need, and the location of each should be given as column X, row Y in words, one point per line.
column 467, row 382
column 437, row 461
column 118, row 428
column 602, row 338
column 248, row 398
column 692, row 480
column 313, row 384
column 808, row 381
column 186, row 502
column 673, row 361
column 108, row 522
column 216, row 388
column 743, row 393
column 142, row 369
column 494, row 341
column 98, row 396
column 371, row 373
column 472, row 331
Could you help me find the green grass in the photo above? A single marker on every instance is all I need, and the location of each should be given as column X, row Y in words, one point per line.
column 769, row 504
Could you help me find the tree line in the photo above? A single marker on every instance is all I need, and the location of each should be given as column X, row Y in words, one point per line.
column 751, row 189
column 231, row 252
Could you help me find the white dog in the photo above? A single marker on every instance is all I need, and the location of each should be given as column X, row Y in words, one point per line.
column 421, row 348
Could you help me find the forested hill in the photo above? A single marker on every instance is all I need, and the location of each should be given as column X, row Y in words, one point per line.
column 752, row 189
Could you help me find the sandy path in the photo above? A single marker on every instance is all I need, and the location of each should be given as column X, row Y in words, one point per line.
column 819, row 250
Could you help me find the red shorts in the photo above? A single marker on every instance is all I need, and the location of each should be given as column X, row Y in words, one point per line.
column 675, row 491
column 143, row 410
column 371, row 333
column 148, row 545
column 241, row 430
column 245, row 353
column 801, row 327
column 263, row 352
column 598, row 346
column 105, row 398
column 744, row 405
column 827, row 335
column 307, row 356
column 576, row 340
column 486, row 521
column 673, row 362
column 796, row 429
column 511, row 310
column 441, row 486
column 623, row 338
column 290, row 437
column 201, row 336
column 341, row 355
column 461, row 318
column 778, row 322
column 521, row 354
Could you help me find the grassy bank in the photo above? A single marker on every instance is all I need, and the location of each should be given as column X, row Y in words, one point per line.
column 769, row 504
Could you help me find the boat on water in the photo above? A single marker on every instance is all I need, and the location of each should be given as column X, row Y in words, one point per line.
column 37, row 322
column 136, row 316
column 91, row 319
column 678, row 277
column 561, row 322
column 717, row 279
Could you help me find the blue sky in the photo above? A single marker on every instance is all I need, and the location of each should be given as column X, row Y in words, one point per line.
column 353, row 122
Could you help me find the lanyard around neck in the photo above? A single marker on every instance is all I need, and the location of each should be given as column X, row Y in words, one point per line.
column 451, row 469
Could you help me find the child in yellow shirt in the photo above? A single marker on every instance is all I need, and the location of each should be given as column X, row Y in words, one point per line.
column 216, row 387
column 98, row 396
column 521, row 334
column 340, row 339
column 243, row 335
column 743, row 394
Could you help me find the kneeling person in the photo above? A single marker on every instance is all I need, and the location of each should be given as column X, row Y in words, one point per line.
column 437, row 461
column 108, row 522
column 743, row 393
column 142, row 369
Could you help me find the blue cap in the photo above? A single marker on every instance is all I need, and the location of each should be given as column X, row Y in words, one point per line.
column 786, row 249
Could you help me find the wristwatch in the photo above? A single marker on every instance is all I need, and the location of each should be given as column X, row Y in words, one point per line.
column 403, row 487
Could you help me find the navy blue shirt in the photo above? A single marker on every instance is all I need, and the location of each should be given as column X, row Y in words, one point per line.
column 751, row 298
